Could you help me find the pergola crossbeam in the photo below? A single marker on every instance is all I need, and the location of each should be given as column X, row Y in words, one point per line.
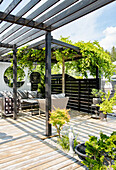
column 33, row 15
column 61, row 43
column 6, row 45
column 56, row 10
column 92, row 7
column 10, row 8
column 77, row 7
column 21, row 21
column 23, row 11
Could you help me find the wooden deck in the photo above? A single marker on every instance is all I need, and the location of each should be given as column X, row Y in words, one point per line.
column 23, row 144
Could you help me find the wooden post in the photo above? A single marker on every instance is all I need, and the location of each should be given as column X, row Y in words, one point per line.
column 48, row 82
column 14, row 83
column 63, row 76
column 97, row 72
column 98, row 83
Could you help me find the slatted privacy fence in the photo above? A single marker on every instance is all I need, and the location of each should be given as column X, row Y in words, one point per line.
column 78, row 91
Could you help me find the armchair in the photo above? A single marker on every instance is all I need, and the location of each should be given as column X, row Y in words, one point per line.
column 55, row 103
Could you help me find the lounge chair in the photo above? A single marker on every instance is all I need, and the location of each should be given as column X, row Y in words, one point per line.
column 57, row 101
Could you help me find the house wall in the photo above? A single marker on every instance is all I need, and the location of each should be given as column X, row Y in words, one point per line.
column 4, row 86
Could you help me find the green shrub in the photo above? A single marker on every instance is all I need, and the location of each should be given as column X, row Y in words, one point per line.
column 58, row 118
column 101, row 152
column 107, row 104
column 64, row 142
column 98, row 93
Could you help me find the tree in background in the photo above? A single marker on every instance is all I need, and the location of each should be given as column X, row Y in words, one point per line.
column 113, row 54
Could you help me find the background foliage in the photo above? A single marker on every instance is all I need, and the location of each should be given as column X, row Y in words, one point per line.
column 92, row 55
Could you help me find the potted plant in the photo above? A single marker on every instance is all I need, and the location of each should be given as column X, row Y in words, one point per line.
column 98, row 94
column 101, row 152
column 98, row 153
column 106, row 106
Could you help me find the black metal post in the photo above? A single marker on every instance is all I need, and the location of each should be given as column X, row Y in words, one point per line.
column 48, row 82
column 97, row 72
column 14, row 83
column 98, row 82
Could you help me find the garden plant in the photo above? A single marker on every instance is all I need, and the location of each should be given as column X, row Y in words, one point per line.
column 106, row 106
column 58, row 118
column 101, row 153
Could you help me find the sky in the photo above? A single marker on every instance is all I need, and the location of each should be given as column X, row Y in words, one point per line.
column 99, row 25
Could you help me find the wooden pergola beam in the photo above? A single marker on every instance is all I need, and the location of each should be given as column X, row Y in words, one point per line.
column 6, row 45
column 23, row 11
column 61, row 43
column 92, row 7
column 69, row 11
column 63, row 5
column 21, row 21
column 33, row 15
column 24, row 39
column 10, row 8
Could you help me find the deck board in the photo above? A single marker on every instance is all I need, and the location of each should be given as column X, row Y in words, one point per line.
column 23, row 144
column 23, row 147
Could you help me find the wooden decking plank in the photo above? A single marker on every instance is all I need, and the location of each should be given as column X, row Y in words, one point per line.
column 17, row 141
column 35, row 119
column 32, row 123
column 27, row 160
column 22, row 153
column 43, row 160
column 4, row 155
column 61, row 164
column 71, row 166
column 18, row 148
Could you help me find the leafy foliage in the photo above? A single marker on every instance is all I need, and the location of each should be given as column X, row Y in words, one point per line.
column 93, row 55
column 9, row 75
column 113, row 54
column 64, row 142
column 97, row 93
column 58, row 118
column 41, row 86
column 107, row 104
column 101, row 152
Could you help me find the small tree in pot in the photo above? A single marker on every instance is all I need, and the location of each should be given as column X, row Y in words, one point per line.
column 58, row 118
column 106, row 106
column 98, row 94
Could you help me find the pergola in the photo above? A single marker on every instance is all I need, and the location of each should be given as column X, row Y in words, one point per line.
column 28, row 24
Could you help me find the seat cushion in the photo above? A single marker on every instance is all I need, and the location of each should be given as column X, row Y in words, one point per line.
column 57, row 96
column 22, row 94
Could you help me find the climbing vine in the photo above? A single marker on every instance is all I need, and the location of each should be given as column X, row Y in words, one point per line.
column 92, row 55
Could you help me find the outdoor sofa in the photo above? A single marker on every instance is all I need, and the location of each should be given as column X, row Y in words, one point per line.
column 57, row 101
column 25, row 100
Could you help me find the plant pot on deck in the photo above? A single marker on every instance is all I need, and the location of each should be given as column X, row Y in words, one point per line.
column 102, row 115
column 96, row 100
column 80, row 150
